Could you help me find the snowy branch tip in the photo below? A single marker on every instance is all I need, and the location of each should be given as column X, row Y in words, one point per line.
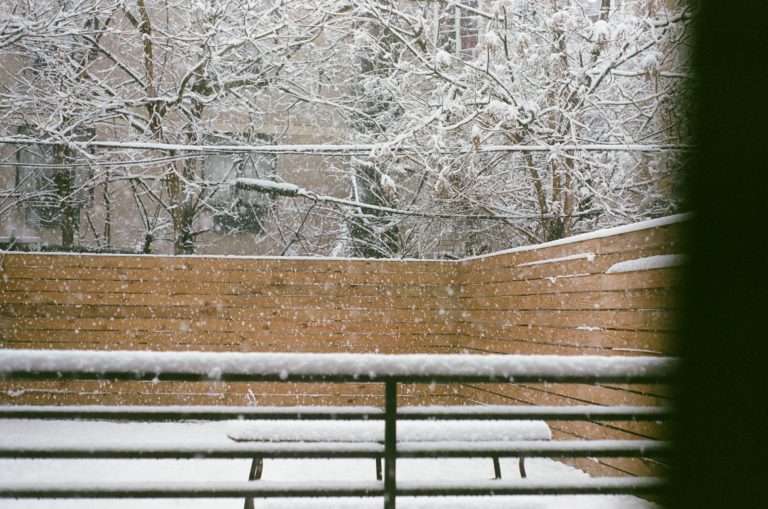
column 267, row 186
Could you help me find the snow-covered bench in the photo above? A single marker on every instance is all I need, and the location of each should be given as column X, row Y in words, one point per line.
column 335, row 435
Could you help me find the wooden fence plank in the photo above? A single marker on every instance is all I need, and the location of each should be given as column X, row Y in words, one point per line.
column 330, row 290
column 227, row 263
column 588, row 338
column 203, row 277
column 654, row 298
column 571, row 283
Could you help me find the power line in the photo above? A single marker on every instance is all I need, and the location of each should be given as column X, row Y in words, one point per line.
column 369, row 149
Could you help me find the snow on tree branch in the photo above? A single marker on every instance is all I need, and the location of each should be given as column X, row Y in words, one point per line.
column 474, row 124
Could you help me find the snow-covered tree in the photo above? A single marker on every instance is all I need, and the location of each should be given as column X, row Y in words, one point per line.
column 191, row 73
column 568, row 83
column 48, row 48
column 478, row 123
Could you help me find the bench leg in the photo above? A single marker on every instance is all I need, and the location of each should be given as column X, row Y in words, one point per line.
column 522, row 467
column 378, row 468
column 496, row 468
column 257, row 467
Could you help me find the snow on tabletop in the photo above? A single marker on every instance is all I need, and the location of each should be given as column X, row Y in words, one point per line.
column 283, row 365
column 373, row 431
column 648, row 263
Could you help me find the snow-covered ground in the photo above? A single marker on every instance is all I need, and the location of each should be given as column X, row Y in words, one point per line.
column 95, row 433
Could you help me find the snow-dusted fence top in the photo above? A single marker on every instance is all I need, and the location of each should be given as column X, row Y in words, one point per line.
column 257, row 367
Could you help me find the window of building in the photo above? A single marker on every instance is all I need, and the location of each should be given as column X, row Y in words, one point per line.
column 458, row 27
column 45, row 186
column 591, row 8
column 235, row 211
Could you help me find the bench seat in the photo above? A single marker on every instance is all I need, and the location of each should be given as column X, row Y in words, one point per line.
column 349, row 432
column 373, row 431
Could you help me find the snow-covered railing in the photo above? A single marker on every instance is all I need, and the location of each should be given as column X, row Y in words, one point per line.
column 389, row 370
column 290, row 367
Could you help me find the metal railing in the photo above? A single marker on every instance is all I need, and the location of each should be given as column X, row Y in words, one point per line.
column 389, row 370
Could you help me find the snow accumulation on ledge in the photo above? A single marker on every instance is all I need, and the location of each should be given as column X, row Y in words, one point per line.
column 648, row 263
column 215, row 365
column 606, row 232
column 579, row 256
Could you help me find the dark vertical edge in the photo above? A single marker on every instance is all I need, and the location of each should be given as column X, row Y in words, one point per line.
column 721, row 440
column 390, row 443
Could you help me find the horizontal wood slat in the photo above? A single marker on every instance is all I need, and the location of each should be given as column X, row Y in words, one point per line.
column 207, row 313
column 638, row 319
column 320, row 290
column 576, row 282
column 220, row 393
column 226, row 263
column 560, row 395
column 295, row 340
column 654, row 298
column 246, row 277
column 505, row 338
column 347, row 300
column 150, row 326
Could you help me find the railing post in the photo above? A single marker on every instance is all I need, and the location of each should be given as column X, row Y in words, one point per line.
column 390, row 443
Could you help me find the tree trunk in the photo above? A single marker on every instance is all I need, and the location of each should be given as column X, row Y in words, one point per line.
column 182, row 212
column 64, row 179
column 605, row 9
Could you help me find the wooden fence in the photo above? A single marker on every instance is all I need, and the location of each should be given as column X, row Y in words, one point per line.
column 613, row 294
column 223, row 304
column 568, row 297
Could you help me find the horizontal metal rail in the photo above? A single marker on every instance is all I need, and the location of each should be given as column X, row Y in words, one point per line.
column 529, row 449
column 548, row 413
column 208, row 413
column 602, row 486
column 265, row 489
column 182, row 413
column 195, row 451
column 231, row 489
column 429, row 379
